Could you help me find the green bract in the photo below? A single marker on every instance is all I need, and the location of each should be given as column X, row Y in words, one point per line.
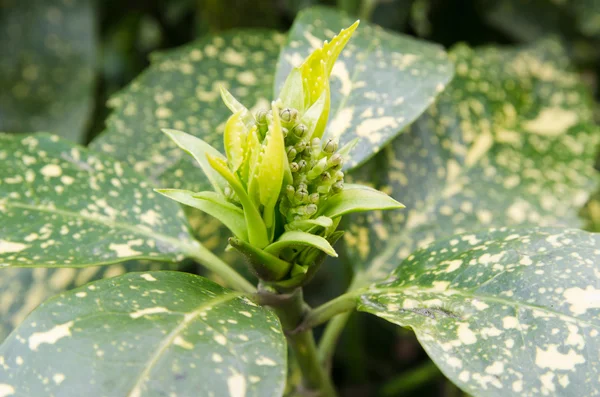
column 280, row 187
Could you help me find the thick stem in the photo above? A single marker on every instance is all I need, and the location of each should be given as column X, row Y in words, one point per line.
column 291, row 309
column 216, row 265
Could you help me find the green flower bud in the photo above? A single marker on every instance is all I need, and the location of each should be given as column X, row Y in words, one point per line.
column 301, row 165
column 311, row 209
column 317, row 169
column 291, row 153
column 301, row 196
column 335, row 160
column 330, row 146
column 300, row 146
column 288, row 115
column 300, row 130
column 314, row 198
column 337, row 187
column 285, row 132
column 315, row 146
column 290, row 191
column 294, row 167
column 261, row 117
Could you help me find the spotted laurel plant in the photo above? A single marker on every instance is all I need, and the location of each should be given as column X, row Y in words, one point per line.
column 280, row 187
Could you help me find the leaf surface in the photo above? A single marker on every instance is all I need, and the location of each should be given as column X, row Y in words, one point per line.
column 47, row 66
column 380, row 84
column 510, row 142
column 147, row 334
column 503, row 312
column 64, row 206
column 182, row 90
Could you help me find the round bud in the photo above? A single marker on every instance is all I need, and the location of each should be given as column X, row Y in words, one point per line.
column 300, row 130
column 288, row 115
column 290, row 191
column 261, row 117
column 325, row 177
column 300, row 146
column 337, row 187
column 291, row 153
column 285, row 131
column 294, row 167
column 311, row 209
column 301, row 196
column 314, row 198
column 301, row 165
column 335, row 160
column 330, row 146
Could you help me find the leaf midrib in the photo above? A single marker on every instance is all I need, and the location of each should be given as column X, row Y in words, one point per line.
column 103, row 220
column 168, row 340
column 467, row 294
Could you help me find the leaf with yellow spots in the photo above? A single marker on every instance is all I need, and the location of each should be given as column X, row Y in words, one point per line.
column 380, row 83
column 507, row 312
column 47, row 67
column 64, row 206
column 167, row 333
column 510, row 142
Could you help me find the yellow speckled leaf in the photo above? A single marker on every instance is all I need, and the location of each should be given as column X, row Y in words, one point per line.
column 380, row 83
column 510, row 142
column 141, row 334
column 507, row 312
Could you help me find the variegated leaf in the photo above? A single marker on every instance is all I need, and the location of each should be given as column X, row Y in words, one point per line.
column 146, row 334
column 380, row 84
column 64, row 206
column 47, row 66
column 507, row 312
column 181, row 90
column 22, row 290
column 510, row 142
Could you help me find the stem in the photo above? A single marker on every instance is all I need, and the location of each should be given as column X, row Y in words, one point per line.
column 410, row 380
column 326, row 311
column 216, row 265
column 366, row 9
column 291, row 309
column 330, row 337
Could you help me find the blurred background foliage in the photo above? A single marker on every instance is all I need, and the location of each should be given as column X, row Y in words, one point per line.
column 62, row 59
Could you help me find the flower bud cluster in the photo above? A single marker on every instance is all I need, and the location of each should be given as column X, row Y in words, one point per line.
column 314, row 164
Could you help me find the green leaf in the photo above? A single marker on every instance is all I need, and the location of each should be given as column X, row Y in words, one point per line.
column 144, row 334
column 357, row 198
column 181, row 90
column 198, row 149
column 214, row 205
column 265, row 265
column 47, row 66
column 64, row 206
column 297, row 238
column 510, row 142
column 257, row 231
column 508, row 312
column 23, row 289
column 380, row 84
